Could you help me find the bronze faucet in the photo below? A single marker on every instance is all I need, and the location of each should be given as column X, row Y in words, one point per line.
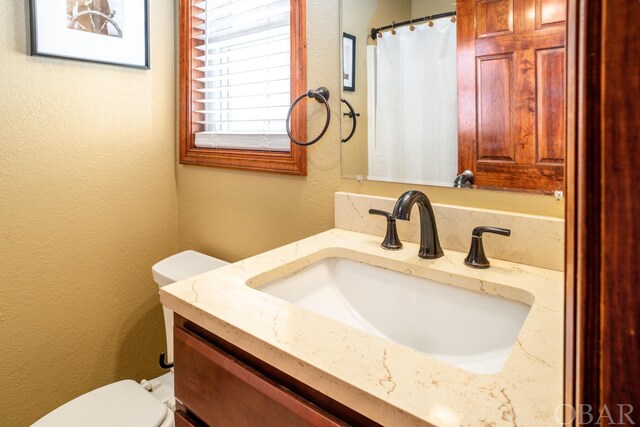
column 429, row 243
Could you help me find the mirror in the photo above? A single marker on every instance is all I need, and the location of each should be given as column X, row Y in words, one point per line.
column 466, row 94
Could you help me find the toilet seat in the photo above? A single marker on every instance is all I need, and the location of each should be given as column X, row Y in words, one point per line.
column 122, row 404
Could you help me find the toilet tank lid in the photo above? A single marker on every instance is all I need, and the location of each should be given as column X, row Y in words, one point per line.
column 182, row 266
column 122, row 404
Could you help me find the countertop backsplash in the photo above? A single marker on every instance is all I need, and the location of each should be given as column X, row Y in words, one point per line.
column 535, row 240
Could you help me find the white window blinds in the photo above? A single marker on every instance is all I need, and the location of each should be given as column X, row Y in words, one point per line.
column 246, row 69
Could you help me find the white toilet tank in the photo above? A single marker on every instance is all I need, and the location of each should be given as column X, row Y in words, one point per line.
column 179, row 267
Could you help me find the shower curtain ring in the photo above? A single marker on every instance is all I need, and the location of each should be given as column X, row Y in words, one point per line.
column 393, row 30
column 411, row 26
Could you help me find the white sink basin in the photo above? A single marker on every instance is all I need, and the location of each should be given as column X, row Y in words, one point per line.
column 468, row 329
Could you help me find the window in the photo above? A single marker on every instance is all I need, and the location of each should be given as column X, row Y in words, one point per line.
column 241, row 63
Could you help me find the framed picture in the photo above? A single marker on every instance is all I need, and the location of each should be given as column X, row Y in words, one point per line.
column 105, row 31
column 349, row 62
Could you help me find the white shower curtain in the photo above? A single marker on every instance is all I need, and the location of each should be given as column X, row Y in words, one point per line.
column 416, row 136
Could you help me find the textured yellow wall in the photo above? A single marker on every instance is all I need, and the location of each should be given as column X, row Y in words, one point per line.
column 358, row 17
column 388, row 11
column 356, row 20
column 233, row 214
column 87, row 205
column 422, row 8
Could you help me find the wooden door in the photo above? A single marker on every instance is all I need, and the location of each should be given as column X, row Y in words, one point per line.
column 511, row 92
column 603, row 210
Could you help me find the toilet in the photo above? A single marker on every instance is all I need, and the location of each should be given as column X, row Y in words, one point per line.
column 127, row 403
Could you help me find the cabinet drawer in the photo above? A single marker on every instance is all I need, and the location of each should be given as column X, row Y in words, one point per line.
column 222, row 391
column 183, row 420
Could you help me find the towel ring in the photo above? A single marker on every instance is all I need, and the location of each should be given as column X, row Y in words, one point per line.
column 321, row 95
column 352, row 113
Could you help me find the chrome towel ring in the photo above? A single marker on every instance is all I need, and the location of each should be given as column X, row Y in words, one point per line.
column 354, row 116
column 321, row 95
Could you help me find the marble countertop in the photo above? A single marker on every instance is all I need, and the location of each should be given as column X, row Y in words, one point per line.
column 389, row 383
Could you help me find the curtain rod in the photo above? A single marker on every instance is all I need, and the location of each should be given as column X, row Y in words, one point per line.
column 375, row 31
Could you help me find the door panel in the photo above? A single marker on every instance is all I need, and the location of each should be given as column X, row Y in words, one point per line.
column 495, row 83
column 550, row 105
column 550, row 13
column 494, row 17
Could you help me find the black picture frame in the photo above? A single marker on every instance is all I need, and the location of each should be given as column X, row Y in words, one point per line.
column 348, row 62
column 46, row 33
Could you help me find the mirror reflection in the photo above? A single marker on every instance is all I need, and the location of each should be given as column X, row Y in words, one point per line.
column 466, row 94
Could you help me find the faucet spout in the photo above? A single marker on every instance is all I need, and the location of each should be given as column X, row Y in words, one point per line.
column 429, row 242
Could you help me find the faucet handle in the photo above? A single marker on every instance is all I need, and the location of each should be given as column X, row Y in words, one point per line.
column 476, row 257
column 391, row 240
column 478, row 231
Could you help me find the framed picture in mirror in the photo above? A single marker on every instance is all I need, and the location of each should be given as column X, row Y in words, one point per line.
column 349, row 62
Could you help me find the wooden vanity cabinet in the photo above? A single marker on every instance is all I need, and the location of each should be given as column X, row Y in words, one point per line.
column 183, row 420
column 218, row 384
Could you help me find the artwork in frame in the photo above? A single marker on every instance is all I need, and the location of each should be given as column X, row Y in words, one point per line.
column 349, row 62
column 104, row 31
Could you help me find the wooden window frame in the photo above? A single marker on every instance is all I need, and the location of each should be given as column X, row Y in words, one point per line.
column 293, row 162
